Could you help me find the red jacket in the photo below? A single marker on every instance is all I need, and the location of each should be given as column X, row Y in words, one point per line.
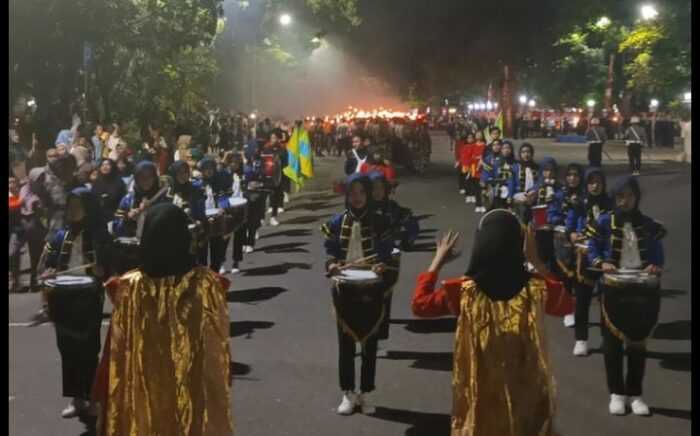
column 465, row 154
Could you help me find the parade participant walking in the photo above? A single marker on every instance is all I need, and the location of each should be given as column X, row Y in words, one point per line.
column 146, row 190
column 463, row 152
column 527, row 178
column 256, row 194
column 188, row 195
column 635, row 138
column 548, row 197
column 503, row 381
column 377, row 163
column 596, row 137
column 475, row 188
column 625, row 239
column 217, row 185
column 166, row 362
column 497, row 187
column 358, row 237
column 596, row 202
column 405, row 229
column 82, row 247
column 277, row 150
column 356, row 157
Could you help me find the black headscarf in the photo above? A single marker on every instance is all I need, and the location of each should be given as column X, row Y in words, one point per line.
column 183, row 189
column 601, row 200
column 510, row 159
column 110, row 184
column 579, row 170
column 165, row 242
column 634, row 215
column 497, row 263
column 207, row 163
column 93, row 222
column 378, row 176
column 366, row 183
column 143, row 167
column 531, row 163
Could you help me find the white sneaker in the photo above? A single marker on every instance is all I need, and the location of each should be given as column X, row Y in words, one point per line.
column 262, row 223
column 257, row 235
column 269, row 210
column 617, row 404
column 280, row 210
column 248, row 249
column 366, row 404
column 639, row 407
column 581, row 348
column 274, row 222
column 472, row 199
column 569, row 320
column 382, row 352
column 235, row 271
column 466, row 200
column 286, row 197
column 347, row 404
column 222, row 270
column 462, row 191
column 74, row 409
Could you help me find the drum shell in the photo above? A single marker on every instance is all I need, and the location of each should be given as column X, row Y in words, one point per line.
column 359, row 309
column 77, row 308
column 128, row 255
column 236, row 216
column 539, row 217
column 217, row 224
column 563, row 248
column 632, row 310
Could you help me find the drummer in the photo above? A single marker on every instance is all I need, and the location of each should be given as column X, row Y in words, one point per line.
column 83, row 242
column 491, row 169
column 220, row 182
column 596, row 203
column 189, row 196
column 625, row 238
column 145, row 186
column 548, row 194
column 527, row 177
column 405, row 229
column 357, row 233
column 256, row 195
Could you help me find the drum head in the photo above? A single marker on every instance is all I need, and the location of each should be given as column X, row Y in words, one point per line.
column 237, row 201
column 395, row 252
column 358, row 275
column 71, row 281
column 128, row 241
column 213, row 212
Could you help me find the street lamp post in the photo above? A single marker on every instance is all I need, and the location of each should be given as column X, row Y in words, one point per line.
column 591, row 105
column 653, row 107
column 285, row 19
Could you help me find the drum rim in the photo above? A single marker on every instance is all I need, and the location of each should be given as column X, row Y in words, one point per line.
column 87, row 280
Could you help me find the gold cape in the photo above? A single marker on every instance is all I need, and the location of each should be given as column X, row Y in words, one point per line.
column 502, row 381
column 169, row 357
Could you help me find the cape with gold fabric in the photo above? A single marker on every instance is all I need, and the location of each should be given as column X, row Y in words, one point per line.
column 502, row 381
column 166, row 362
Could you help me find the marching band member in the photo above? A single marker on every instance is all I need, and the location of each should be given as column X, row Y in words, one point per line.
column 352, row 236
column 377, row 162
column 83, row 241
column 527, row 178
column 596, row 202
column 145, row 189
column 475, row 190
column 274, row 147
column 463, row 151
column 492, row 177
column 636, row 138
column 189, row 196
column 257, row 197
column 508, row 169
column 548, row 194
column 166, row 362
column 217, row 183
column 356, row 156
column 503, row 384
column 626, row 239
column 405, row 229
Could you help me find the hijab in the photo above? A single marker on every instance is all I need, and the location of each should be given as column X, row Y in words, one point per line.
column 497, row 263
column 141, row 168
column 110, row 184
column 366, row 184
column 378, row 176
column 165, row 242
column 510, row 159
column 93, row 222
column 179, row 188
column 531, row 163
column 601, row 200
column 634, row 216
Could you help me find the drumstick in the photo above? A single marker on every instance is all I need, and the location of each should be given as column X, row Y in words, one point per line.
column 64, row 272
column 354, row 263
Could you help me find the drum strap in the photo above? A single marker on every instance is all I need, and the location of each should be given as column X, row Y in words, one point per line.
column 569, row 273
column 616, row 332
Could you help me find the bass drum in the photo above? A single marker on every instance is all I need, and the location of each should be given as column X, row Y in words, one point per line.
column 631, row 304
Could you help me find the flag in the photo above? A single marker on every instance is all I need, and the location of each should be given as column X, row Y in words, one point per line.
column 498, row 123
column 306, row 162
column 300, row 161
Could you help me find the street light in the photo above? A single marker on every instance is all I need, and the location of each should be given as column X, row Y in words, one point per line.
column 489, row 105
column 649, row 12
column 523, row 99
column 654, row 103
column 285, row 19
column 590, row 103
column 470, row 106
column 531, row 103
column 686, row 97
column 253, row 116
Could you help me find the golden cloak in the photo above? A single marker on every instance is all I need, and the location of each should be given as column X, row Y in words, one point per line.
column 168, row 357
column 502, row 380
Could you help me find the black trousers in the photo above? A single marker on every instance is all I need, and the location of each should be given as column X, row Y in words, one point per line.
column 384, row 329
column 78, row 341
column 634, row 153
column 217, row 252
column 614, row 356
column 277, row 199
column 33, row 234
column 584, row 295
column 595, row 154
column 461, row 179
column 346, row 362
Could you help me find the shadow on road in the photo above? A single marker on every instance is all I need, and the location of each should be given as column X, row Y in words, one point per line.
column 238, row 368
column 673, row 331
column 274, row 270
column 423, row 248
column 434, row 361
column 427, row 231
column 256, row 294
column 422, row 424
column 671, row 413
column 288, row 233
column 424, row 217
column 437, row 325
column 313, row 206
column 247, row 328
column 672, row 361
column 307, row 219
column 672, row 293
column 289, row 247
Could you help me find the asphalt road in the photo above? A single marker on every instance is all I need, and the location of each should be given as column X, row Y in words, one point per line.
column 283, row 335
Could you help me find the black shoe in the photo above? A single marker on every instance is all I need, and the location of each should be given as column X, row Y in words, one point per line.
column 41, row 317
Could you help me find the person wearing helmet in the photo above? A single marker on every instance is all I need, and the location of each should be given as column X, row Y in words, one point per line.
column 635, row 138
column 596, row 138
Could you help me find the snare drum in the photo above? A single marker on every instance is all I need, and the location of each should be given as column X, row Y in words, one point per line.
column 564, row 250
column 75, row 302
column 357, row 277
column 359, row 302
column 216, row 222
column 631, row 303
column 236, row 209
column 127, row 253
column 539, row 217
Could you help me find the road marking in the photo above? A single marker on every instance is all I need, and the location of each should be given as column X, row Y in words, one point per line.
column 27, row 324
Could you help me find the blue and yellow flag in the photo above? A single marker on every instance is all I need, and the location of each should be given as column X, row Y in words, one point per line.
column 498, row 123
column 300, row 160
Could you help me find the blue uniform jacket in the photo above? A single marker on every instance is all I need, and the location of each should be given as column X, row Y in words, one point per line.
column 606, row 239
column 337, row 232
